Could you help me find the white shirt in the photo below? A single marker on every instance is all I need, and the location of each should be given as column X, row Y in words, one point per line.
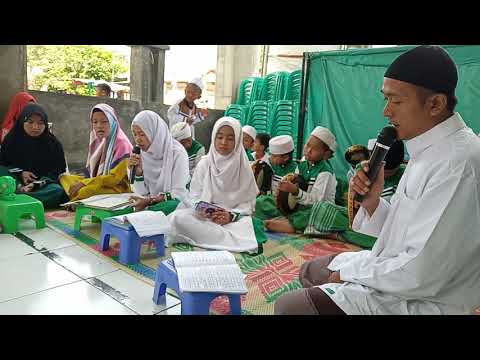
column 180, row 179
column 265, row 158
column 196, row 189
column 426, row 257
column 174, row 116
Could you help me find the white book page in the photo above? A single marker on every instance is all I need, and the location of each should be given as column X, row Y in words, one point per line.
column 223, row 278
column 149, row 223
column 108, row 201
column 202, row 258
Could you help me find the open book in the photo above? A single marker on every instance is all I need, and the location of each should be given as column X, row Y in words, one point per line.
column 145, row 223
column 209, row 271
column 105, row 202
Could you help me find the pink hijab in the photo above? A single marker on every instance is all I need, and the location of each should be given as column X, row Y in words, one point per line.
column 104, row 154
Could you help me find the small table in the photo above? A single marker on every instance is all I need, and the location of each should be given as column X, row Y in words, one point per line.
column 130, row 241
column 193, row 303
column 97, row 214
column 13, row 210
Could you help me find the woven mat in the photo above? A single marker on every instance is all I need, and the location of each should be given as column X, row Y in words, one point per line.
column 269, row 275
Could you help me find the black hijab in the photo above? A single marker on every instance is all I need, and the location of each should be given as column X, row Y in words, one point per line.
column 42, row 155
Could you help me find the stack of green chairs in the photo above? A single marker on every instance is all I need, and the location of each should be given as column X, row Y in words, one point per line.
column 239, row 112
column 284, row 119
column 274, row 86
column 250, row 90
column 294, row 86
column 258, row 116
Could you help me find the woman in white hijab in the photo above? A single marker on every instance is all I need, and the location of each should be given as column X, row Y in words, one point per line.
column 222, row 178
column 161, row 169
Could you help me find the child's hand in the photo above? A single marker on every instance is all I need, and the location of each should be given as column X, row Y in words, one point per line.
column 221, row 217
column 288, row 187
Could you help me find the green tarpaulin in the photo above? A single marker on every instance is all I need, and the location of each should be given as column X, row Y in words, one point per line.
column 344, row 95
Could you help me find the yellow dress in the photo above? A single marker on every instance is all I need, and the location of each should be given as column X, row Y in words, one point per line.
column 114, row 183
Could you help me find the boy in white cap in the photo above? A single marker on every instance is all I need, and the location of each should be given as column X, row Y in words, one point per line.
column 319, row 175
column 183, row 134
column 249, row 135
column 282, row 163
column 185, row 109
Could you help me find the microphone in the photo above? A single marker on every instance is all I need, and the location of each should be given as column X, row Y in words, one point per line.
column 136, row 150
column 385, row 139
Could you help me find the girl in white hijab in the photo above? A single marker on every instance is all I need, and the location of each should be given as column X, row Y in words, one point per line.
column 223, row 178
column 161, row 169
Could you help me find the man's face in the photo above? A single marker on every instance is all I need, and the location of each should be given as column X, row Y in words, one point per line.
column 404, row 109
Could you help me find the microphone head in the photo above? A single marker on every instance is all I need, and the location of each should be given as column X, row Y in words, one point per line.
column 136, row 149
column 387, row 136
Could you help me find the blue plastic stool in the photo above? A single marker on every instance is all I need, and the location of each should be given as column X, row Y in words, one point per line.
column 130, row 242
column 193, row 303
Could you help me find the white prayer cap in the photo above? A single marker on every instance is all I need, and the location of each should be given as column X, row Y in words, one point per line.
column 280, row 145
column 250, row 130
column 326, row 136
column 371, row 144
column 198, row 82
column 181, row 131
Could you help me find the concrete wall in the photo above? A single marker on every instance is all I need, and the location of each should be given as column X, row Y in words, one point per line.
column 234, row 63
column 70, row 113
column 70, row 117
column 13, row 73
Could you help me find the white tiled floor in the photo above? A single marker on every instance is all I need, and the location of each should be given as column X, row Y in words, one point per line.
column 47, row 239
column 29, row 274
column 81, row 262
column 136, row 295
column 79, row 298
column 10, row 247
column 47, row 273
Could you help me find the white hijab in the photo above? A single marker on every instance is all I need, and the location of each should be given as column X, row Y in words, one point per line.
column 158, row 160
column 229, row 181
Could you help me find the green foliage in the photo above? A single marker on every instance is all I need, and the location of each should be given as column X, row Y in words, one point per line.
column 55, row 66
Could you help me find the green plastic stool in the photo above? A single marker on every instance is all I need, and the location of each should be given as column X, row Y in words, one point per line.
column 13, row 210
column 97, row 214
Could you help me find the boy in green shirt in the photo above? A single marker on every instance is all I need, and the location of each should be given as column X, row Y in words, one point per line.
column 321, row 181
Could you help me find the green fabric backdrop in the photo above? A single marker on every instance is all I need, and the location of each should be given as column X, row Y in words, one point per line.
column 344, row 95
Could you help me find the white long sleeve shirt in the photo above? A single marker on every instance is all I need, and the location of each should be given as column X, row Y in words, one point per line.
column 196, row 189
column 180, row 179
column 174, row 116
column 426, row 257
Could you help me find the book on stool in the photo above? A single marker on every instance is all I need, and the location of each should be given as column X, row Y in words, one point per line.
column 209, row 271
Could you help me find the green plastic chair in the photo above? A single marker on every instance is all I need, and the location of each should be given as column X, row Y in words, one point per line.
column 274, row 86
column 258, row 115
column 249, row 90
column 20, row 206
column 294, row 86
column 239, row 112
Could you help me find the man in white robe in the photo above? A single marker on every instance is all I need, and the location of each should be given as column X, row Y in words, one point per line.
column 425, row 260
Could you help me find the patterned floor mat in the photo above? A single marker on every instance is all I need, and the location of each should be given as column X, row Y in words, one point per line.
column 269, row 274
